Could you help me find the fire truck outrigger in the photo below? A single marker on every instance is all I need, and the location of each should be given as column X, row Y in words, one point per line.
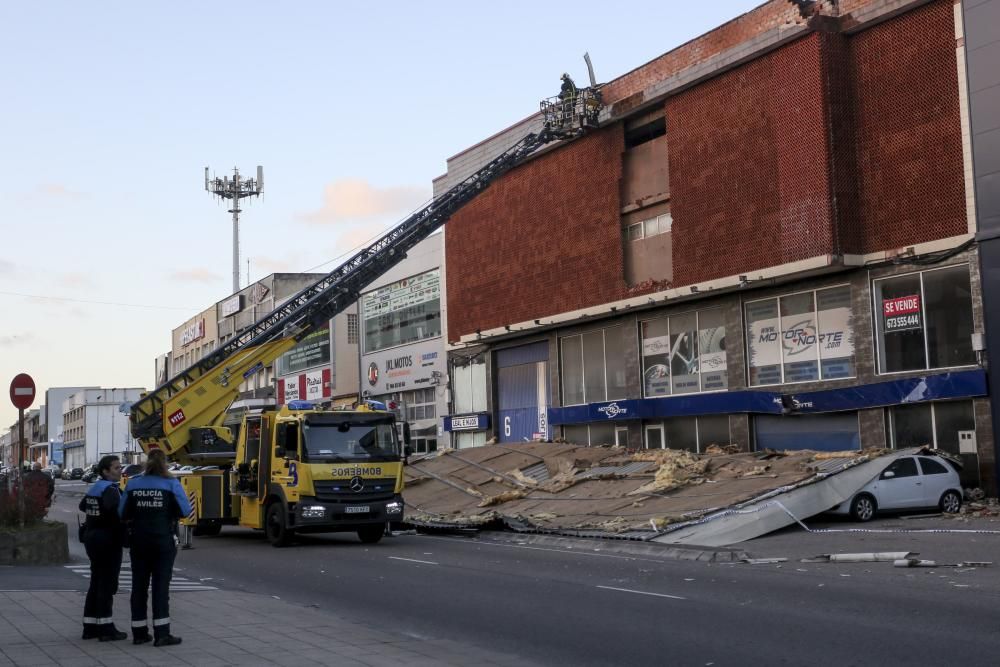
column 297, row 469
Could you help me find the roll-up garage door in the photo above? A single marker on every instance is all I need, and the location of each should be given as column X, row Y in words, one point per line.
column 522, row 378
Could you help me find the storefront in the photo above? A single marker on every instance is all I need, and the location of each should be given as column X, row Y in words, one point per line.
column 403, row 359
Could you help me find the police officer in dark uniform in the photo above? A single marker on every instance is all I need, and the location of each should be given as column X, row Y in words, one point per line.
column 103, row 536
column 150, row 508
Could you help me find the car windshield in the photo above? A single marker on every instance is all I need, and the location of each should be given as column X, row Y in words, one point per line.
column 349, row 441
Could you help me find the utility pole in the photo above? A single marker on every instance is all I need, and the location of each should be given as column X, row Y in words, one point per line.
column 235, row 189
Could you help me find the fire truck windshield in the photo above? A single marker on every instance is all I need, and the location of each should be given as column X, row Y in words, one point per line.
column 349, row 441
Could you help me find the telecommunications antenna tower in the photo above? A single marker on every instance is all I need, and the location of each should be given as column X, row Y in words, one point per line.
column 236, row 189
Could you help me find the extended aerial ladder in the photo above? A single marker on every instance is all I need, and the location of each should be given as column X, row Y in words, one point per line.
column 184, row 416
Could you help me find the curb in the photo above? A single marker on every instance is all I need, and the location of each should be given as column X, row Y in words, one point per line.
column 630, row 548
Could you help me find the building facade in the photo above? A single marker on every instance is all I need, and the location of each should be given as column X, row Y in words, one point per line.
column 323, row 367
column 96, row 423
column 769, row 242
column 401, row 319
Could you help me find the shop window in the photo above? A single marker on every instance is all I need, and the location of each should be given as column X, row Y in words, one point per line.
column 593, row 366
column 693, row 434
column 684, row 353
column 935, row 425
column 924, row 320
column 406, row 311
column 801, row 337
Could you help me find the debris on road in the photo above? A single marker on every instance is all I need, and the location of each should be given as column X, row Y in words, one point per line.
column 873, row 557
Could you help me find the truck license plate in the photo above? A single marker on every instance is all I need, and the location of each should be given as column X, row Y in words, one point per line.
column 357, row 509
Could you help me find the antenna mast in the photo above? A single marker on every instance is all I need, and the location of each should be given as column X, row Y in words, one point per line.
column 236, row 189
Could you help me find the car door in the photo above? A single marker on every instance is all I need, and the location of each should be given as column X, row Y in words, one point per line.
column 936, row 480
column 899, row 485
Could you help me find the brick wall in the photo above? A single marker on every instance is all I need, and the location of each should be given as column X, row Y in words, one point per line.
column 910, row 186
column 543, row 239
column 835, row 142
column 749, row 166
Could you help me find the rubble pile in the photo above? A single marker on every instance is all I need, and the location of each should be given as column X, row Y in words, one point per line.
column 564, row 487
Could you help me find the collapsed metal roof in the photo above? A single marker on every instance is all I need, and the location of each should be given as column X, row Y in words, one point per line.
column 613, row 493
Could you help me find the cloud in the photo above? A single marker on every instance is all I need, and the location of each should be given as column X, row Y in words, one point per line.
column 14, row 340
column 197, row 275
column 355, row 200
column 55, row 192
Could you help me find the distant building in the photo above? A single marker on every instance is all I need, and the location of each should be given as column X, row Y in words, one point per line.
column 96, row 423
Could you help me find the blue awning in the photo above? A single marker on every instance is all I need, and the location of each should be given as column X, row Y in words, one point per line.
column 915, row 389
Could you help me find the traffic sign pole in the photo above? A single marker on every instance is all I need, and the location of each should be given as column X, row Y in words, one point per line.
column 22, row 395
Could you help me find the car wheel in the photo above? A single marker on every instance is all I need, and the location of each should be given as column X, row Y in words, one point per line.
column 863, row 507
column 951, row 502
column 371, row 534
column 275, row 527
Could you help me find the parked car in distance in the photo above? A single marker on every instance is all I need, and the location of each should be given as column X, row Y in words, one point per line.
column 908, row 483
column 76, row 473
column 90, row 475
column 66, row 473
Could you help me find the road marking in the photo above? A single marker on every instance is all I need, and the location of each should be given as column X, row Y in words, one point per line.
column 177, row 584
column 628, row 590
column 414, row 560
column 39, row 590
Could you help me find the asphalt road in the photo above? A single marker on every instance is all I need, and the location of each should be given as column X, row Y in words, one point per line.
column 583, row 606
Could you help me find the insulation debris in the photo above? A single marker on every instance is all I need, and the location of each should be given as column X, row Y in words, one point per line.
column 501, row 498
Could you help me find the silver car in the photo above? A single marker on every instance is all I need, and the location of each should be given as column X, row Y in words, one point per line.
column 908, row 483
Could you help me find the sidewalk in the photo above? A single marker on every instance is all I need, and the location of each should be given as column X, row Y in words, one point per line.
column 218, row 628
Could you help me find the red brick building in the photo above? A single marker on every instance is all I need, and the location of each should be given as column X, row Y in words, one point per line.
column 768, row 241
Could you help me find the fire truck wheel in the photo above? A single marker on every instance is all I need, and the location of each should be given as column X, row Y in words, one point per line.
column 371, row 534
column 277, row 530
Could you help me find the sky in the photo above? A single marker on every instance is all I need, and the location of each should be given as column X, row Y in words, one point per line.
column 112, row 110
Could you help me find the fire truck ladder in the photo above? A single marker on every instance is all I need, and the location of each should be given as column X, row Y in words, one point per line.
column 317, row 304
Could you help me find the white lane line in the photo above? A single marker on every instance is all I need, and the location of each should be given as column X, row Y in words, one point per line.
column 629, row 590
column 414, row 560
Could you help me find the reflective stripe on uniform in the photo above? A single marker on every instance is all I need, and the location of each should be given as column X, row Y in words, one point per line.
column 90, row 619
column 104, row 621
column 161, row 621
column 139, row 624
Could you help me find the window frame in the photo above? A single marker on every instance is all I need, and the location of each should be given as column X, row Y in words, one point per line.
column 781, row 364
column 876, row 313
column 642, row 358
column 583, row 366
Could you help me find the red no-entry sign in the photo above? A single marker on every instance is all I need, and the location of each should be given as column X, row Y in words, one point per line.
column 22, row 391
